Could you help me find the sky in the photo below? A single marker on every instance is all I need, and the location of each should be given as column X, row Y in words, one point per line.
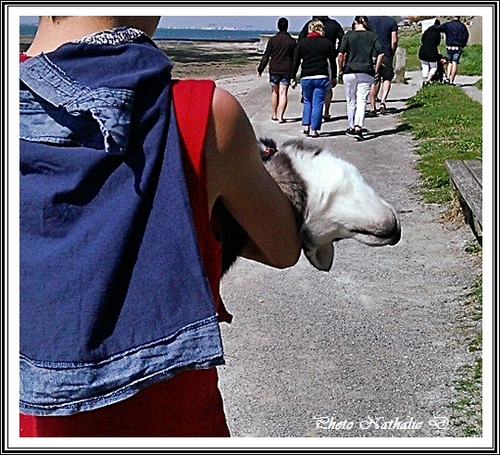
column 235, row 21
column 248, row 22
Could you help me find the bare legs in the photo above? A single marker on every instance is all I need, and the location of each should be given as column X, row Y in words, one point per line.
column 374, row 91
column 279, row 101
column 452, row 71
column 328, row 102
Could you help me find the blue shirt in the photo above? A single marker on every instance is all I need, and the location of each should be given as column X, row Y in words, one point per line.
column 384, row 26
column 113, row 292
column 456, row 33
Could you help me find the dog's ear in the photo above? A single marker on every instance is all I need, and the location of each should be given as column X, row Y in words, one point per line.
column 321, row 257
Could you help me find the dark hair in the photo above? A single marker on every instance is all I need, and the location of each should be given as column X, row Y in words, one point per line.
column 282, row 24
column 363, row 20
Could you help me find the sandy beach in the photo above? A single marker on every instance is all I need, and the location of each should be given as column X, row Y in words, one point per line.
column 200, row 59
column 213, row 60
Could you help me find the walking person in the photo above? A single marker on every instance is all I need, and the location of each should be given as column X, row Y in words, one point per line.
column 121, row 185
column 280, row 50
column 334, row 32
column 387, row 30
column 456, row 38
column 428, row 52
column 359, row 71
column 315, row 56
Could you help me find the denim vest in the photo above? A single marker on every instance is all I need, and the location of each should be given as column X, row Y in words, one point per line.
column 113, row 293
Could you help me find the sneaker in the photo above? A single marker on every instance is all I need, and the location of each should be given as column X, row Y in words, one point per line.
column 358, row 134
column 371, row 113
column 350, row 132
column 383, row 109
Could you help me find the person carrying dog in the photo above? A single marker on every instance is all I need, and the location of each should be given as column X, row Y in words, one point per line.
column 120, row 189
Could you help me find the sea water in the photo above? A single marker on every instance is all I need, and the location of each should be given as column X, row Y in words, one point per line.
column 187, row 34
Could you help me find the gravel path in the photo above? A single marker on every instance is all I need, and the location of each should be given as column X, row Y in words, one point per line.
column 372, row 348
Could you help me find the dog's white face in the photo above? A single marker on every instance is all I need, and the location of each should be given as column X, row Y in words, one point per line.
column 340, row 205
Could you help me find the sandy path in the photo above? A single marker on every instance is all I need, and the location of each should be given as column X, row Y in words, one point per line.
column 377, row 339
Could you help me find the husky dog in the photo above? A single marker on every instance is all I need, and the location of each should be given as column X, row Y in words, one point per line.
column 330, row 199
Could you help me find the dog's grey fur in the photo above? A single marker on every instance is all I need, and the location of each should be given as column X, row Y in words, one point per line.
column 330, row 201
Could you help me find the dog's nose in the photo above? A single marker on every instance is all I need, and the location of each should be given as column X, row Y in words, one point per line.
column 394, row 232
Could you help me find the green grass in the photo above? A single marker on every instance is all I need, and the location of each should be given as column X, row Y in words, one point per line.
column 467, row 407
column 411, row 42
column 447, row 125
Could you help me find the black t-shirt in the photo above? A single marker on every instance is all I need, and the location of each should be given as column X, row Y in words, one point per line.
column 313, row 55
column 359, row 47
column 333, row 30
column 429, row 50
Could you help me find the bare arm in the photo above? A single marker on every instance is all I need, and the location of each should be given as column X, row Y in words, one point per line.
column 378, row 63
column 237, row 176
column 394, row 42
column 341, row 62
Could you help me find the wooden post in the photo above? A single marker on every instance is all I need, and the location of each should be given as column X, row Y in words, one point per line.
column 400, row 66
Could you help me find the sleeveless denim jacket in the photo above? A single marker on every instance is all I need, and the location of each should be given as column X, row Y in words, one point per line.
column 113, row 293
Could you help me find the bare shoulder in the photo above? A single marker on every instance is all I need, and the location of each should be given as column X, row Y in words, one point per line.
column 238, row 178
column 231, row 145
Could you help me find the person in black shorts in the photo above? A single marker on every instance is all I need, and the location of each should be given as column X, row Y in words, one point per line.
column 280, row 51
column 387, row 30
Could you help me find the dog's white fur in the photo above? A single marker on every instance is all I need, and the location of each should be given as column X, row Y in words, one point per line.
column 340, row 204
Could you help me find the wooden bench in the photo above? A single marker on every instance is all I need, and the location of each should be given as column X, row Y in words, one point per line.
column 467, row 180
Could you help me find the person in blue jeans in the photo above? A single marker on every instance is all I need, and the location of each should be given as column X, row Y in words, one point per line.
column 316, row 57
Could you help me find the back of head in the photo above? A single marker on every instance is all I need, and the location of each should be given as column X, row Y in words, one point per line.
column 363, row 20
column 282, row 24
column 316, row 27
